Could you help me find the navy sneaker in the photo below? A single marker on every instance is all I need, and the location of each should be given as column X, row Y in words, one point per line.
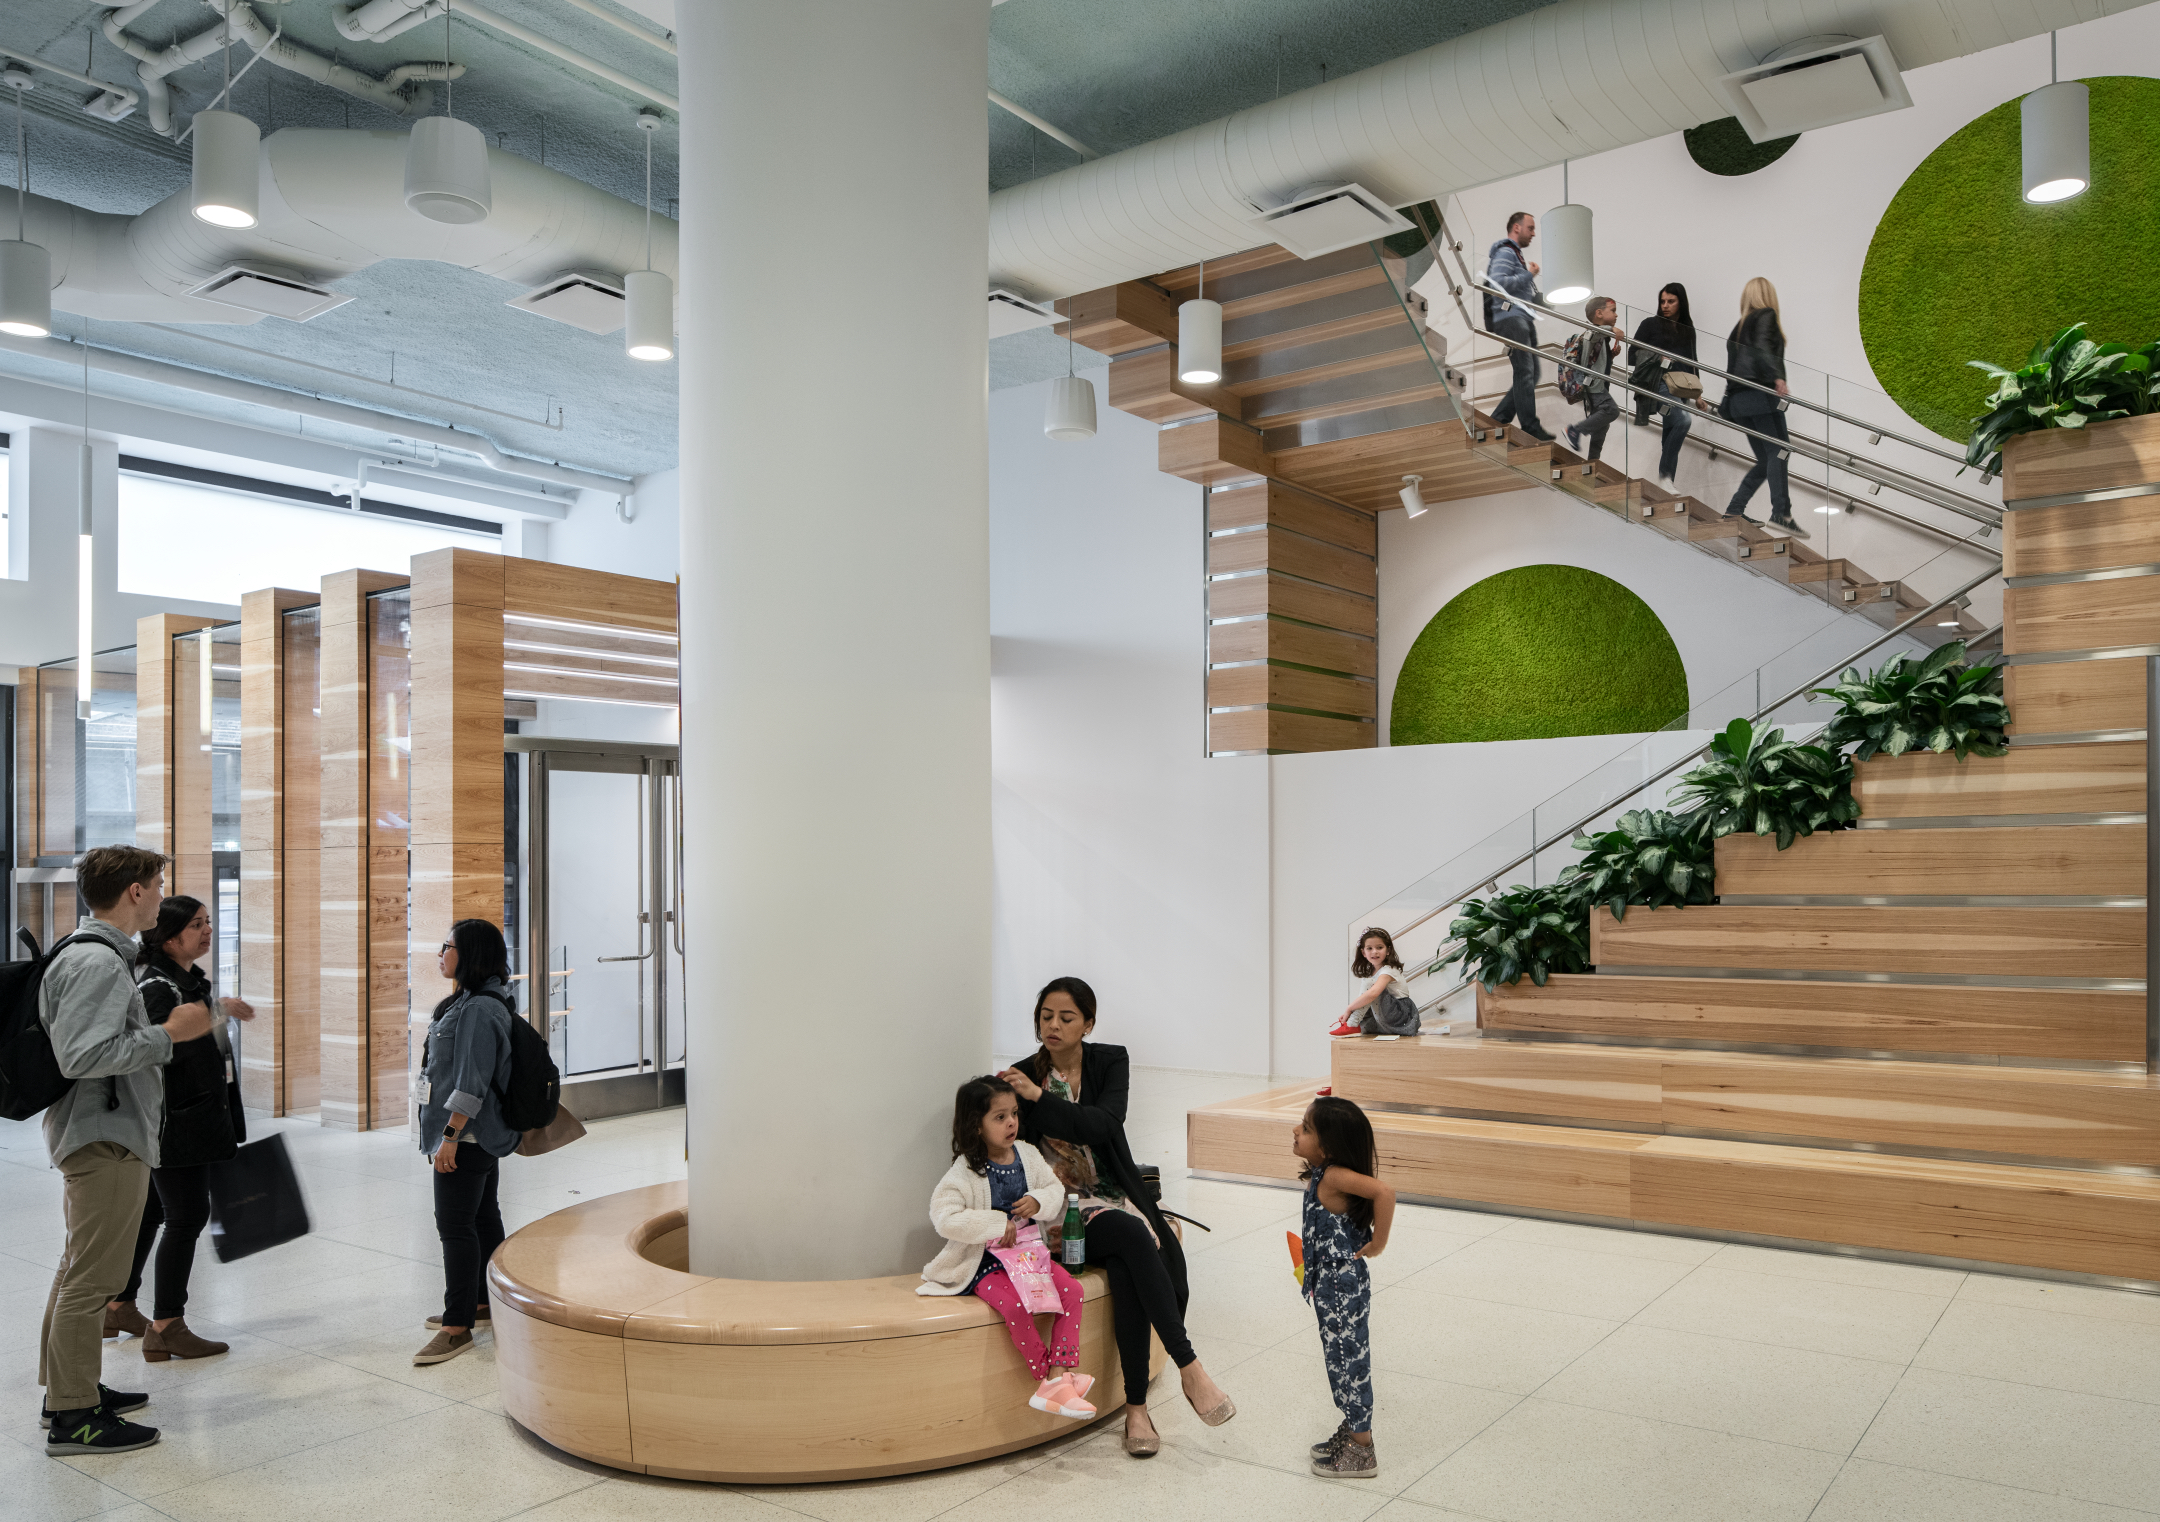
column 96, row 1431
column 110, row 1401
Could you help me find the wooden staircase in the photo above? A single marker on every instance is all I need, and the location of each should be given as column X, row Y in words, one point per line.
column 1925, row 1036
column 1329, row 397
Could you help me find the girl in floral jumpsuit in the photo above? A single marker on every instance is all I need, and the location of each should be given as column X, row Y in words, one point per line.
column 1347, row 1215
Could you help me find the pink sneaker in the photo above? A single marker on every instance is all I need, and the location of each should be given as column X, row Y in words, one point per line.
column 1057, row 1396
column 1081, row 1383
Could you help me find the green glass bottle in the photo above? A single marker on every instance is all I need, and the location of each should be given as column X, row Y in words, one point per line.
column 1075, row 1233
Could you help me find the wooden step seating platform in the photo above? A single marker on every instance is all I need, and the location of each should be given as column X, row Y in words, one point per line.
column 1924, row 1036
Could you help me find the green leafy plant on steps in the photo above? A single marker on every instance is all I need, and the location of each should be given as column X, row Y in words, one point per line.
column 2068, row 381
column 1762, row 782
column 1649, row 857
column 1937, row 704
column 1538, row 931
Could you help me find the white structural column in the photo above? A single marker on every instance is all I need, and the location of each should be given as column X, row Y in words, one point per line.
column 835, row 622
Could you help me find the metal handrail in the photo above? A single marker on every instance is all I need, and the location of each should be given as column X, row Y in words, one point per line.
column 1946, row 498
column 1538, row 848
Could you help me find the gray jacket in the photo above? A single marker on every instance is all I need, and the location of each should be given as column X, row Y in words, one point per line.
column 1505, row 267
column 106, row 1043
column 1600, row 346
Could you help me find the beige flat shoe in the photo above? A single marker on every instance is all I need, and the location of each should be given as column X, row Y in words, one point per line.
column 1143, row 1447
column 1223, row 1411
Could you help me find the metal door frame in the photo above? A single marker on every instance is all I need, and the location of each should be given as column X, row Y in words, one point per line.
column 658, row 1085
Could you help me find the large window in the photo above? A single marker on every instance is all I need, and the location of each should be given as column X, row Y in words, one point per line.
column 202, row 544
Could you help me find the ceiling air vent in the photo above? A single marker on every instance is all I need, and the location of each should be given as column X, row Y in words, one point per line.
column 1316, row 222
column 273, row 293
column 1816, row 83
column 1012, row 313
column 591, row 302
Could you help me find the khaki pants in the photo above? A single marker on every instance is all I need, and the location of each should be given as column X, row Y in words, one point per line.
column 104, row 1192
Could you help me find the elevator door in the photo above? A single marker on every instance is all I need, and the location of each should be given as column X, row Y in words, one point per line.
column 601, row 943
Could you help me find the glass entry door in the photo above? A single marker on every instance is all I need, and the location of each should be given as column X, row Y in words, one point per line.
column 600, row 937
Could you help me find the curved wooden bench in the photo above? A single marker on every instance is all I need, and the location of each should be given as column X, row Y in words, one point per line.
column 608, row 1348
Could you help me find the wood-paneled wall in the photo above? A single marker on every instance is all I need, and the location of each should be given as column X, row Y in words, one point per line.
column 172, row 781
column 267, row 1045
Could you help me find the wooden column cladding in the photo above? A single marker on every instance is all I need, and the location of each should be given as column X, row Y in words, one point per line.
column 346, row 730
column 28, row 831
column 1292, row 621
column 457, row 755
column 264, row 922
column 172, row 780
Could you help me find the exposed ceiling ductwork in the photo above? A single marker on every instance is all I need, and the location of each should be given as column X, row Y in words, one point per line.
column 332, row 203
column 1566, row 81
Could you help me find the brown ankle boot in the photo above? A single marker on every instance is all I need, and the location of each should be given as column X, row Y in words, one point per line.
column 124, row 1318
column 176, row 1341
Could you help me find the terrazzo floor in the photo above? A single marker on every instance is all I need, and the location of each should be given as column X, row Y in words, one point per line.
column 1526, row 1371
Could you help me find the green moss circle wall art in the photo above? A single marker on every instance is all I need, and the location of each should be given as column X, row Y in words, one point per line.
column 1723, row 147
column 1537, row 652
column 1961, row 268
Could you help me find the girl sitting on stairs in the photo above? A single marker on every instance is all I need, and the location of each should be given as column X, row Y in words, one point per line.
column 1388, row 1009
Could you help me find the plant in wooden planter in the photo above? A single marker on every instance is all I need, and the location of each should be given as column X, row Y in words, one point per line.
column 1539, row 931
column 2068, row 381
column 1649, row 857
column 1937, row 704
column 1761, row 781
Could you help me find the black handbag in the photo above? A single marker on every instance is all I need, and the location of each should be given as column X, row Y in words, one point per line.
column 255, row 1201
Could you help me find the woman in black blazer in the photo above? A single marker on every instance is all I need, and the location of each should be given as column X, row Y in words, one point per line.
column 1072, row 1105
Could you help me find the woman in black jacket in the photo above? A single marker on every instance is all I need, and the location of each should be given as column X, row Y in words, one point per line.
column 1671, row 329
column 204, row 1124
column 1755, row 351
column 1072, row 1105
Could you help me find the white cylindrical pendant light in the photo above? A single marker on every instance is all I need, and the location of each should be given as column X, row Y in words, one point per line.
column 1070, row 414
column 228, row 152
column 1199, row 342
column 446, row 171
column 2055, row 124
column 25, row 289
column 649, row 315
column 1569, row 272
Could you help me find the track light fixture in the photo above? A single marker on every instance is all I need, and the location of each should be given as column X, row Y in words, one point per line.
column 228, row 149
column 2055, row 127
column 1069, row 415
column 446, row 163
column 1413, row 500
column 648, row 295
column 1570, row 271
column 1199, row 336
column 25, row 267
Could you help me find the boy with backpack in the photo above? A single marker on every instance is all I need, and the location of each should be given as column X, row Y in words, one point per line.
column 1594, row 351
column 94, row 1044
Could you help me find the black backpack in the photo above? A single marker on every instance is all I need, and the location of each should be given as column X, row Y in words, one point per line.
column 30, row 1076
column 535, row 1088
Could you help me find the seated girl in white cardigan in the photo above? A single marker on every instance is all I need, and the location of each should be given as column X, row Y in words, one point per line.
column 996, row 1182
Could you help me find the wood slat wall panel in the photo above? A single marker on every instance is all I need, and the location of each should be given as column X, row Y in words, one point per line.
column 1286, row 597
column 2082, row 536
column 2014, row 942
column 1366, row 472
column 2091, row 1223
column 2093, row 859
column 1443, row 1072
column 1120, row 318
column 1278, row 504
column 193, row 872
column 2086, row 1025
column 302, row 866
column 597, row 686
column 1291, row 688
column 1271, row 729
column 1211, row 451
column 2105, row 456
column 2041, row 779
column 1293, row 554
column 1933, row 1105
column 543, row 589
column 2076, row 697
column 155, row 721
column 1279, row 639
column 2082, row 615
column 262, row 844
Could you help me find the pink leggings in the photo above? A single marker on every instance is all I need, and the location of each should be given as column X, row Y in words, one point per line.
column 996, row 1290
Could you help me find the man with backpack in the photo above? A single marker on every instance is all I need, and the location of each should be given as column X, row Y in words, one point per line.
column 102, row 1134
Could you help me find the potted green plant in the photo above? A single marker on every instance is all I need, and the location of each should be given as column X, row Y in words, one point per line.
column 1539, row 931
column 2068, row 381
column 1649, row 857
column 1760, row 781
column 1938, row 704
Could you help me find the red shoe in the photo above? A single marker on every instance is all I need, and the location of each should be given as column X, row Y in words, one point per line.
column 1344, row 1028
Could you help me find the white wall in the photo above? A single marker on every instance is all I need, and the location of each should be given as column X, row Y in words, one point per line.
column 648, row 545
column 1123, row 855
